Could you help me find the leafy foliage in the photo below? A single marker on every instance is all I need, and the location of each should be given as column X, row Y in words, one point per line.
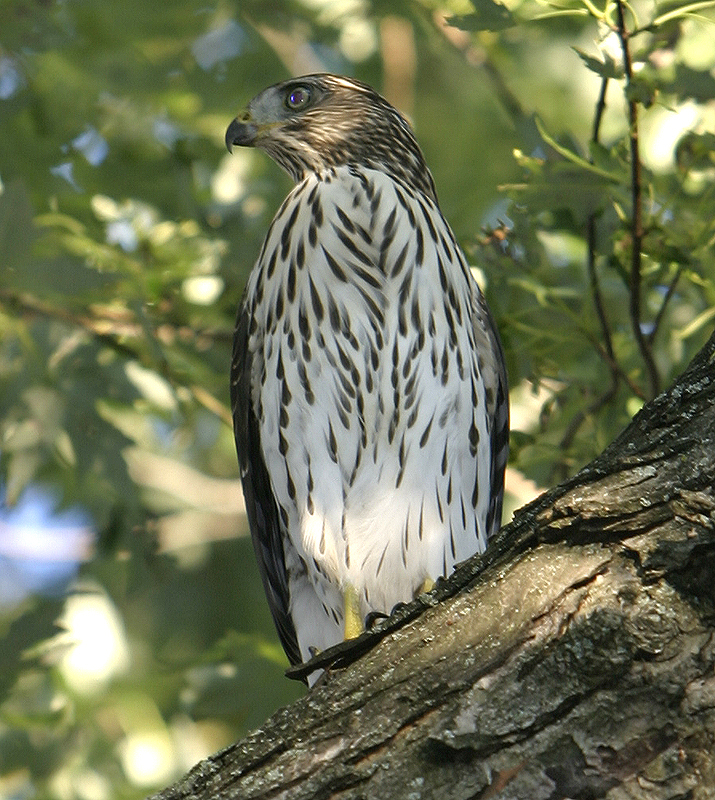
column 126, row 235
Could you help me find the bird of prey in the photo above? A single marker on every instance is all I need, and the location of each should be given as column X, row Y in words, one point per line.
column 368, row 385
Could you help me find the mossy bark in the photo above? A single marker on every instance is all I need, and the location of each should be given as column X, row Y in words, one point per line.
column 575, row 659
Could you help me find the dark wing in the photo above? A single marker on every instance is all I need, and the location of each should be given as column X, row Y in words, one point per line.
column 263, row 517
column 497, row 395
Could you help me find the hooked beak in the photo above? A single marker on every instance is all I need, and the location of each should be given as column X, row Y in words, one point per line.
column 241, row 131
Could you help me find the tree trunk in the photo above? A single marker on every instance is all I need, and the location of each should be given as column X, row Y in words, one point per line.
column 575, row 659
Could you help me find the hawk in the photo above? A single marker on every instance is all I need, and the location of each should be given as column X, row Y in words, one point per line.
column 368, row 385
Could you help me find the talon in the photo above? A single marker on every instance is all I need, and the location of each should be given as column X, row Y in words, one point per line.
column 373, row 618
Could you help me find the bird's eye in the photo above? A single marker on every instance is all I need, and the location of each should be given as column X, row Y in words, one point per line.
column 298, row 98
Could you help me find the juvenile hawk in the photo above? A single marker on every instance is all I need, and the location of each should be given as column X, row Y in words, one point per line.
column 368, row 385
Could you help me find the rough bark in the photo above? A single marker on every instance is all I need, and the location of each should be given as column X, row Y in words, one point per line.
column 575, row 659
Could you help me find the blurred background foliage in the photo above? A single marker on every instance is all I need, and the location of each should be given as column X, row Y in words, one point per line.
column 134, row 634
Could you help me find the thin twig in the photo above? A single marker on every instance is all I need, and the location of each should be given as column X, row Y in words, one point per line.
column 591, row 240
column 661, row 311
column 636, row 213
column 582, row 416
column 606, row 348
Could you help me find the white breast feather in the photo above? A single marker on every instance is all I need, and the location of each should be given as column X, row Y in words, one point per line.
column 395, row 519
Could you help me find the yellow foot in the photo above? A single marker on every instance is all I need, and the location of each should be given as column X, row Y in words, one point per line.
column 427, row 586
column 353, row 619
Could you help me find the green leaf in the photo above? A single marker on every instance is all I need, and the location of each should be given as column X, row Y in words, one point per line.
column 695, row 84
column 487, row 16
column 606, row 69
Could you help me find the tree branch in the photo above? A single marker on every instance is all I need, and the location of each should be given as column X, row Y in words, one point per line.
column 575, row 657
column 636, row 211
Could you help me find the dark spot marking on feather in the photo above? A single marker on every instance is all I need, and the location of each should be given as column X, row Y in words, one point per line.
column 432, row 327
column 399, row 261
column 316, row 302
column 270, row 269
column 309, row 499
column 305, row 383
column 345, row 220
column 389, row 226
column 439, row 504
column 344, row 359
column 401, row 320
column 317, row 211
column 332, row 443
column 333, row 315
column 290, row 485
column 445, row 367
column 460, row 365
column 375, row 198
column 420, row 253
column 347, row 385
column 367, row 276
column 303, row 322
column 374, row 357
column 343, row 417
column 392, row 427
column 444, row 464
column 473, row 439
column 352, row 247
column 430, row 225
column 406, row 366
column 434, row 359
column 411, row 383
column 403, row 202
column 413, row 417
column 335, row 268
column 363, row 234
column 382, row 559
column 287, row 230
column 475, row 491
column 415, row 315
column 425, row 432
column 377, row 315
column 442, row 275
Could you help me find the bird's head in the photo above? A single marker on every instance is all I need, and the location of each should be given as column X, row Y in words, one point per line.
column 315, row 122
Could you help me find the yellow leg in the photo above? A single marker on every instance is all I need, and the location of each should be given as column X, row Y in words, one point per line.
column 353, row 618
